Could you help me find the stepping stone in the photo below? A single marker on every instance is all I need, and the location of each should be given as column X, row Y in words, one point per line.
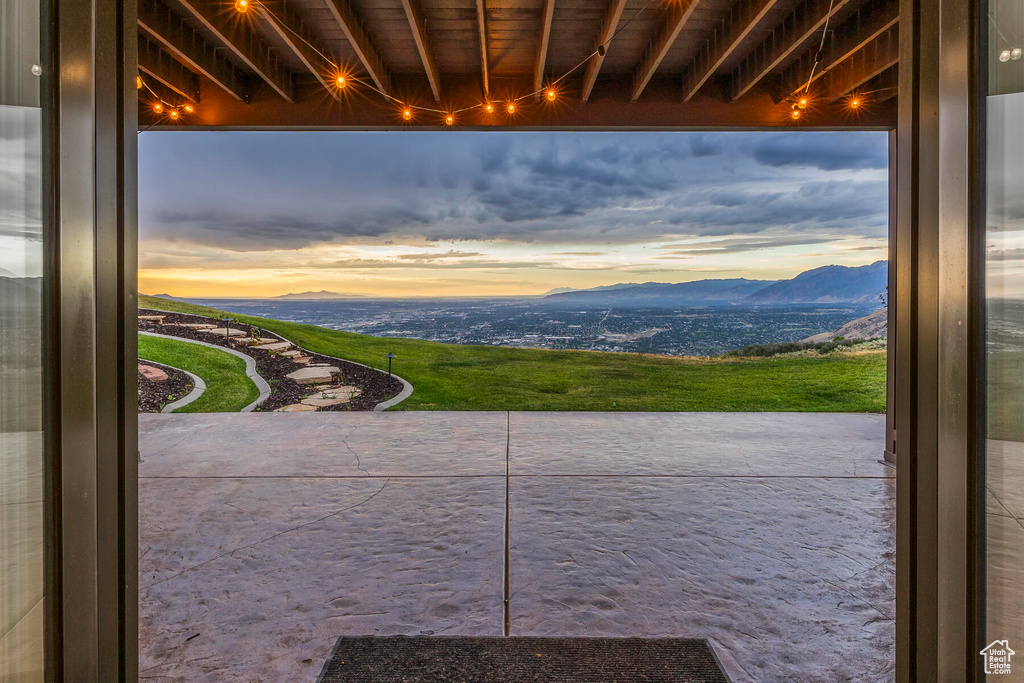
column 153, row 318
column 225, row 332
column 151, row 373
column 294, row 353
column 197, row 326
column 331, row 397
column 296, row 408
column 301, row 360
column 312, row 375
column 272, row 346
column 334, row 370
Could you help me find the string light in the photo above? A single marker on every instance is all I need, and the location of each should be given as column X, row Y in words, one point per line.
column 242, row 6
column 511, row 107
column 449, row 120
column 174, row 115
column 158, row 108
column 796, row 114
column 489, row 108
column 189, row 109
column 802, row 103
column 340, row 81
column 407, row 114
column 551, row 95
column 138, row 82
column 854, row 103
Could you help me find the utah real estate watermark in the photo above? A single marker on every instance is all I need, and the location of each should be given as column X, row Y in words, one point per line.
column 997, row 657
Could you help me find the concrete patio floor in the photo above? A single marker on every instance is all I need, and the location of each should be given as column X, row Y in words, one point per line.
column 263, row 537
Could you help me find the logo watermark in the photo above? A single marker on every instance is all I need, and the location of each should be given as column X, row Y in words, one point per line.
column 997, row 657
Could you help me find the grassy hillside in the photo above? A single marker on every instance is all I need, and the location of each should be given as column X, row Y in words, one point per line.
column 228, row 389
column 457, row 377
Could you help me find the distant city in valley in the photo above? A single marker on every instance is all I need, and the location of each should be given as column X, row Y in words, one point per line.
column 701, row 318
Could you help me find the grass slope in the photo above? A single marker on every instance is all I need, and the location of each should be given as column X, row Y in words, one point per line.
column 228, row 390
column 463, row 377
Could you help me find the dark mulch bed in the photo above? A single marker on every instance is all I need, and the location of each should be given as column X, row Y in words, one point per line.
column 153, row 396
column 375, row 386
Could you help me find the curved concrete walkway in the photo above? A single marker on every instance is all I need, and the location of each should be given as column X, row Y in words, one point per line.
column 250, row 368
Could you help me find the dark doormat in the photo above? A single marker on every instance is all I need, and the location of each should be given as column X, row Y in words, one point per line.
column 452, row 659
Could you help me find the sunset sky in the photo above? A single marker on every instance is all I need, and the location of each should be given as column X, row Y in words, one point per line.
column 510, row 213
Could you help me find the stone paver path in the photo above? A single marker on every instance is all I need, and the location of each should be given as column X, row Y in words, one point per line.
column 770, row 535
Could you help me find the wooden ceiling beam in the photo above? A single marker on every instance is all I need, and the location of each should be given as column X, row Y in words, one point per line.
column 418, row 24
column 311, row 51
column 245, row 45
column 736, row 27
column 611, row 22
column 162, row 67
column 875, row 57
column 676, row 16
column 799, row 28
column 360, row 42
column 871, row 21
column 542, row 52
column 188, row 47
column 481, row 24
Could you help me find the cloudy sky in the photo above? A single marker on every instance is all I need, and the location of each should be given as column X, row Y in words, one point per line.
column 500, row 213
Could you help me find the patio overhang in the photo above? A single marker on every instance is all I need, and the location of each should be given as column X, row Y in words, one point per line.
column 671, row 64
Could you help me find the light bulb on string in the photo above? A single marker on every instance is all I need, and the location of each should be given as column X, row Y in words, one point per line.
column 242, row 6
column 802, row 103
column 795, row 114
column 1004, row 56
column 138, row 82
column 188, row 109
column 551, row 95
column 511, row 107
column 489, row 108
column 1016, row 53
column 855, row 103
column 449, row 120
column 407, row 114
column 340, row 80
column 158, row 108
column 174, row 114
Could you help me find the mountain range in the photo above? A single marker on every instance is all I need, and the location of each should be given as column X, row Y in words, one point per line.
column 825, row 285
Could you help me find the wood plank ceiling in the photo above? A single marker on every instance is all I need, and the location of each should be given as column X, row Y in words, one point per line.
column 630, row 63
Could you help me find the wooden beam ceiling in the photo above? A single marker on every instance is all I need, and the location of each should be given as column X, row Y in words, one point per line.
column 871, row 21
column 190, row 49
column 880, row 54
column 414, row 13
column 736, row 27
column 162, row 67
column 611, row 22
column 481, row 23
column 311, row 51
column 245, row 45
column 364, row 48
column 676, row 15
column 795, row 33
column 542, row 52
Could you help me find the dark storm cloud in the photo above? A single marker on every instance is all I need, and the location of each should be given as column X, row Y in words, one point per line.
column 806, row 150
column 251, row 192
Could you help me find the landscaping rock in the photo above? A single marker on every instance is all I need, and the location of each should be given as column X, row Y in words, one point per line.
column 195, row 326
column 331, row 397
column 152, row 374
column 158, row 319
column 312, row 375
column 296, row 408
column 272, row 346
column 222, row 331
column 294, row 353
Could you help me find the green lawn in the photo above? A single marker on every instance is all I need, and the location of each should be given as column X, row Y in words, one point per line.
column 228, row 390
column 456, row 377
